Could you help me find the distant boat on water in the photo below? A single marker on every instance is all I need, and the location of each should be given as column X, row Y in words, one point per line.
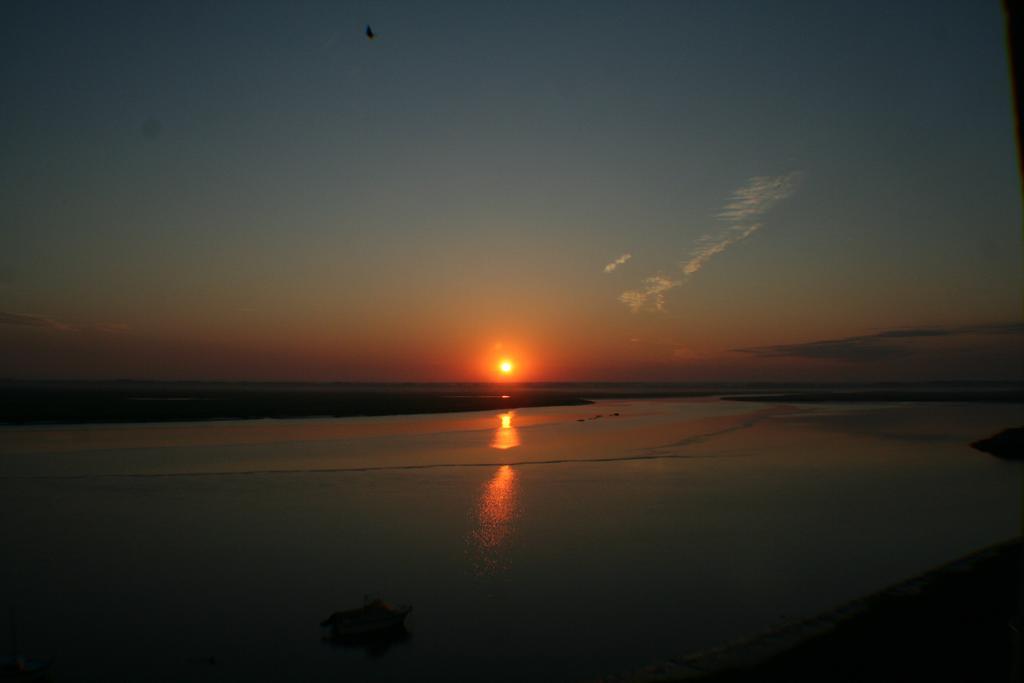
column 372, row 618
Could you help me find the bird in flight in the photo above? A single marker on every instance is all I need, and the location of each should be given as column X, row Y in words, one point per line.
column 369, row 32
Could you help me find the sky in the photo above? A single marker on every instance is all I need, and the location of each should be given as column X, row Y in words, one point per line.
column 670, row 191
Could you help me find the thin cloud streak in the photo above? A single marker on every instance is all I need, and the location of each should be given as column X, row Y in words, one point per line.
column 111, row 328
column 23, row 320
column 747, row 204
column 46, row 323
column 709, row 246
column 757, row 196
column 617, row 262
column 882, row 345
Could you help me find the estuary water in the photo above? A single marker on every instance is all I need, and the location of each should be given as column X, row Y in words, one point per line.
column 541, row 544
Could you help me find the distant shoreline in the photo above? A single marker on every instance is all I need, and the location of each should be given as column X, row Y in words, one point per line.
column 86, row 405
column 41, row 403
column 917, row 396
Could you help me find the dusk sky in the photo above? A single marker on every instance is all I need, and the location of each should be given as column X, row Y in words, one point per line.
column 684, row 191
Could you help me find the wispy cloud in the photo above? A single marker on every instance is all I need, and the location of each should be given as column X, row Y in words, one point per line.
column 757, row 196
column 650, row 296
column 617, row 262
column 741, row 213
column 111, row 328
column 47, row 323
column 747, row 204
column 710, row 245
column 24, row 320
column 878, row 346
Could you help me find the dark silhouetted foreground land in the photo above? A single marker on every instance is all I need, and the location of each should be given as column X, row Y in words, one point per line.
column 25, row 402
column 88, row 402
column 1008, row 444
column 955, row 623
column 963, row 395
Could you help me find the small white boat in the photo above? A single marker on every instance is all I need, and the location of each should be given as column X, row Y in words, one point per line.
column 372, row 618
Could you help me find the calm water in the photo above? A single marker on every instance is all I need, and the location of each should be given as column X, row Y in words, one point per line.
column 533, row 545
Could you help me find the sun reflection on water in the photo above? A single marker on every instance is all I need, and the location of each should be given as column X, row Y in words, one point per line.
column 505, row 436
column 496, row 515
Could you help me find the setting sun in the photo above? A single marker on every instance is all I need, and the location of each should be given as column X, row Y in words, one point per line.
column 506, row 367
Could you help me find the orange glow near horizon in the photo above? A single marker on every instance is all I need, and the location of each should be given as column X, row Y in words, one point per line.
column 507, row 362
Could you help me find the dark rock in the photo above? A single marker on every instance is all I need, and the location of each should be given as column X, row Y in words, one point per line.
column 1007, row 444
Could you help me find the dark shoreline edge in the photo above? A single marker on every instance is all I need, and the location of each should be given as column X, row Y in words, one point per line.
column 72, row 408
column 885, row 396
column 1007, row 444
column 53, row 403
column 956, row 622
